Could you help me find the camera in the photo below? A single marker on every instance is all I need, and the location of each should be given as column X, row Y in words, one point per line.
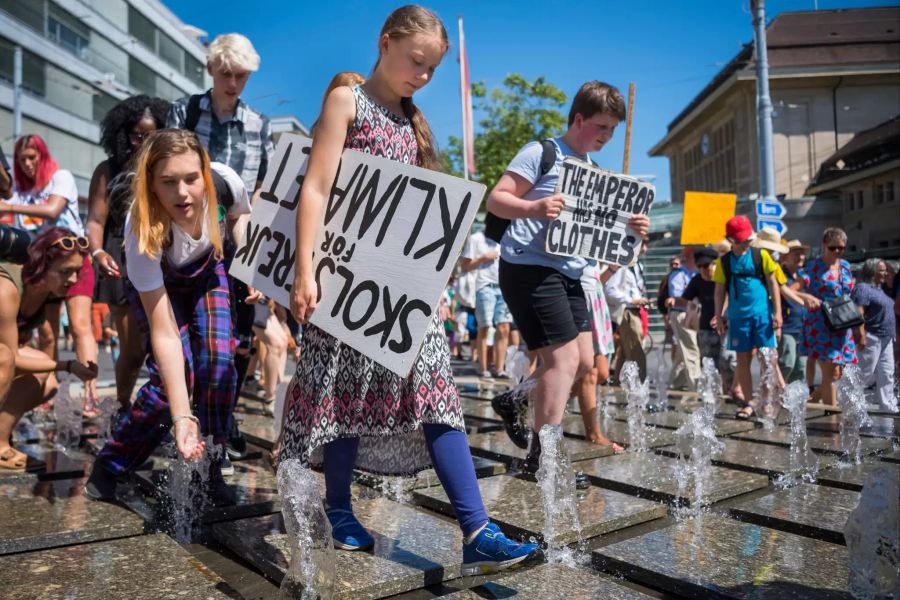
column 14, row 244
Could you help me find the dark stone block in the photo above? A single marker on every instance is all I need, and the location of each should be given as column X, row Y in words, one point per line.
column 517, row 506
column 767, row 459
column 812, row 510
column 850, row 476
column 496, row 445
column 880, row 427
column 717, row 557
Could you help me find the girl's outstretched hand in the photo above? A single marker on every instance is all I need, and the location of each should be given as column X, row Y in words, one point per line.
column 188, row 441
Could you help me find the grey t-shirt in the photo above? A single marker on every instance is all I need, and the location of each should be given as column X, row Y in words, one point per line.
column 524, row 240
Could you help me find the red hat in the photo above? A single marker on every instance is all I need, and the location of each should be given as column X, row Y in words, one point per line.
column 739, row 229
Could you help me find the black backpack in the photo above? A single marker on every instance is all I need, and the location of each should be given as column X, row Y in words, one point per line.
column 755, row 256
column 494, row 226
column 192, row 112
column 662, row 294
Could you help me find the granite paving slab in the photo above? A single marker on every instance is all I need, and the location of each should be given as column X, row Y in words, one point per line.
column 144, row 567
column 729, row 409
column 47, row 514
column 551, row 582
column 674, row 420
column 717, row 557
column 484, row 467
column 767, row 459
column 851, row 476
column 413, row 548
column 253, row 483
column 652, row 476
column 479, row 409
column 617, row 431
column 517, row 506
column 258, row 429
column 880, row 426
column 815, row 511
column 51, row 463
column 496, row 445
column 891, row 457
column 818, row 441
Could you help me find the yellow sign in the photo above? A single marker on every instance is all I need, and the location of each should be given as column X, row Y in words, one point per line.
column 705, row 215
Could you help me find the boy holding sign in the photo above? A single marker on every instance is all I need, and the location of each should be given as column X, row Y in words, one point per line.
column 543, row 289
column 343, row 409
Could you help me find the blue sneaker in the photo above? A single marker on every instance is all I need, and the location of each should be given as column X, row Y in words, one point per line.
column 347, row 531
column 491, row 552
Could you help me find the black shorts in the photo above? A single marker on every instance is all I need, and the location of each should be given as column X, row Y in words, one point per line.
column 548, row 307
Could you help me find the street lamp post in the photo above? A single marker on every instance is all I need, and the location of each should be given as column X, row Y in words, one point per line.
column 763, row 105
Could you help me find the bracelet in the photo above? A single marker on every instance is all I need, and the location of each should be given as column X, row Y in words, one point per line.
column 177, row 418
column 96, row 252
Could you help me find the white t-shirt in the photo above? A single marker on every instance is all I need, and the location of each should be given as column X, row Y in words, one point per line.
column 61, row 184
column 487, row 273
column 145, row 272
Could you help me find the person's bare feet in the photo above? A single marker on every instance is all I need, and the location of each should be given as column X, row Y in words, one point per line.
column 597, row 437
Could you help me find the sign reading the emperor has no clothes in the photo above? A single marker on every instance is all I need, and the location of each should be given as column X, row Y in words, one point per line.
column 390, row 237
column 594, row 222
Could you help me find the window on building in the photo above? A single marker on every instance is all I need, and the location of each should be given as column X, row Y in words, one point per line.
column 102, row 104
column 141, row 28
column 194, row 69
column 29, row 12
column 879, row 194
column 34, row 78
column 67, row 31
column 141, row 77
column 860, row 200
column 171, row 52
column 889, row 192
column 849, row 201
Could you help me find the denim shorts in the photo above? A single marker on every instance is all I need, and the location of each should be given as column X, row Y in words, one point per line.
column 490, row 307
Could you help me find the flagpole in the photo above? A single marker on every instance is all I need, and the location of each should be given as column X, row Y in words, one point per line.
column 462, row 99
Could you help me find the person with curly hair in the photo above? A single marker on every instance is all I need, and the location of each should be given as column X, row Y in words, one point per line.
column 122, row 131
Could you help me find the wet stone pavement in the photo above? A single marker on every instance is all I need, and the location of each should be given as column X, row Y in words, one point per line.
column 753, row 539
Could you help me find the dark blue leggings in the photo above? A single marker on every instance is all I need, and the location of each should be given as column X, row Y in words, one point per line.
column 449, row 449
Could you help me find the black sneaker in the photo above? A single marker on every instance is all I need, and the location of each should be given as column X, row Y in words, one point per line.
column 512, row 406
column 101, row 485
column 532, row 463
column 236, row 446
column 225, row 466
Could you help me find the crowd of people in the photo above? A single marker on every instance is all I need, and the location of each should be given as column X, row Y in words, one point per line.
column 168, row 207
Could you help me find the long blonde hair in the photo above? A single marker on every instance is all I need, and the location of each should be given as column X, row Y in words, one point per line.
column 150, row 223
column 403, row 22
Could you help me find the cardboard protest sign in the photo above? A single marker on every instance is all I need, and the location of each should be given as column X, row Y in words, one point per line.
column 594, row 221
column 390, row 237
column 705, row 215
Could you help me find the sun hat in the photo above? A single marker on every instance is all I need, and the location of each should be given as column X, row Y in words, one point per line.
column 770, row 239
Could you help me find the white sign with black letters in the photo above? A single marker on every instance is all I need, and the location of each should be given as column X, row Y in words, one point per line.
column 594, row 222
column 390, row 237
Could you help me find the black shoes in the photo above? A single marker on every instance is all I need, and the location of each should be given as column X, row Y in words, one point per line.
column 532, row 463
column 512, row 406
column 236, row 446
column 101, row 485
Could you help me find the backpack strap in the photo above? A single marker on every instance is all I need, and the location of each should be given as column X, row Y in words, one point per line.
column 548, row 157
column 192, row 112
column 756, row 257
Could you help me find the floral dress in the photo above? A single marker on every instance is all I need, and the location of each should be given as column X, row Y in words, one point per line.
column 819, row 342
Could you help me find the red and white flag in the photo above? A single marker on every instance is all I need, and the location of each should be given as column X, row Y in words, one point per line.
column 468, row 137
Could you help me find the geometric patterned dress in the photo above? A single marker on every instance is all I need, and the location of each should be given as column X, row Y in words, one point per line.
column 337, row 392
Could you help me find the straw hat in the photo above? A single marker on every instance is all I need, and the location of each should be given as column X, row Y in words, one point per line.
column 769, row 239
column 792, row 244
column 722, row 247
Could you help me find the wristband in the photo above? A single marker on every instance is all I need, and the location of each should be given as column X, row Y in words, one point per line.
column 177, row 418
column 96, row 252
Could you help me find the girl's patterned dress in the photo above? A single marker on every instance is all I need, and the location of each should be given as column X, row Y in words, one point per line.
column 819, row 342
column 601, row 322
column 339, row 393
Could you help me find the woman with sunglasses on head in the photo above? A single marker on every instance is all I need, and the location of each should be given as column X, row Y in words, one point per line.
column 27, row 375
column 121, row 132
column 176, row 264
column 827, row 278
column 46, row 196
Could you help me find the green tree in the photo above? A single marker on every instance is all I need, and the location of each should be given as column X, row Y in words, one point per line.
column 518, row 112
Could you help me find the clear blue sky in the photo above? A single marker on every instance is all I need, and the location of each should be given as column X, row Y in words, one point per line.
column 670, row 50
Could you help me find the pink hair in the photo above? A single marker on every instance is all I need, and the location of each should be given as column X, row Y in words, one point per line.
column 43, row 251
column 46, row 166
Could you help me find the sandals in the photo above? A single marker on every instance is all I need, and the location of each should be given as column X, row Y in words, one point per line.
column 13, row 460
column 745, row 412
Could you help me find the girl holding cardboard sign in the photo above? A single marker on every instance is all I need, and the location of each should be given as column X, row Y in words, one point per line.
column 342, row 409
